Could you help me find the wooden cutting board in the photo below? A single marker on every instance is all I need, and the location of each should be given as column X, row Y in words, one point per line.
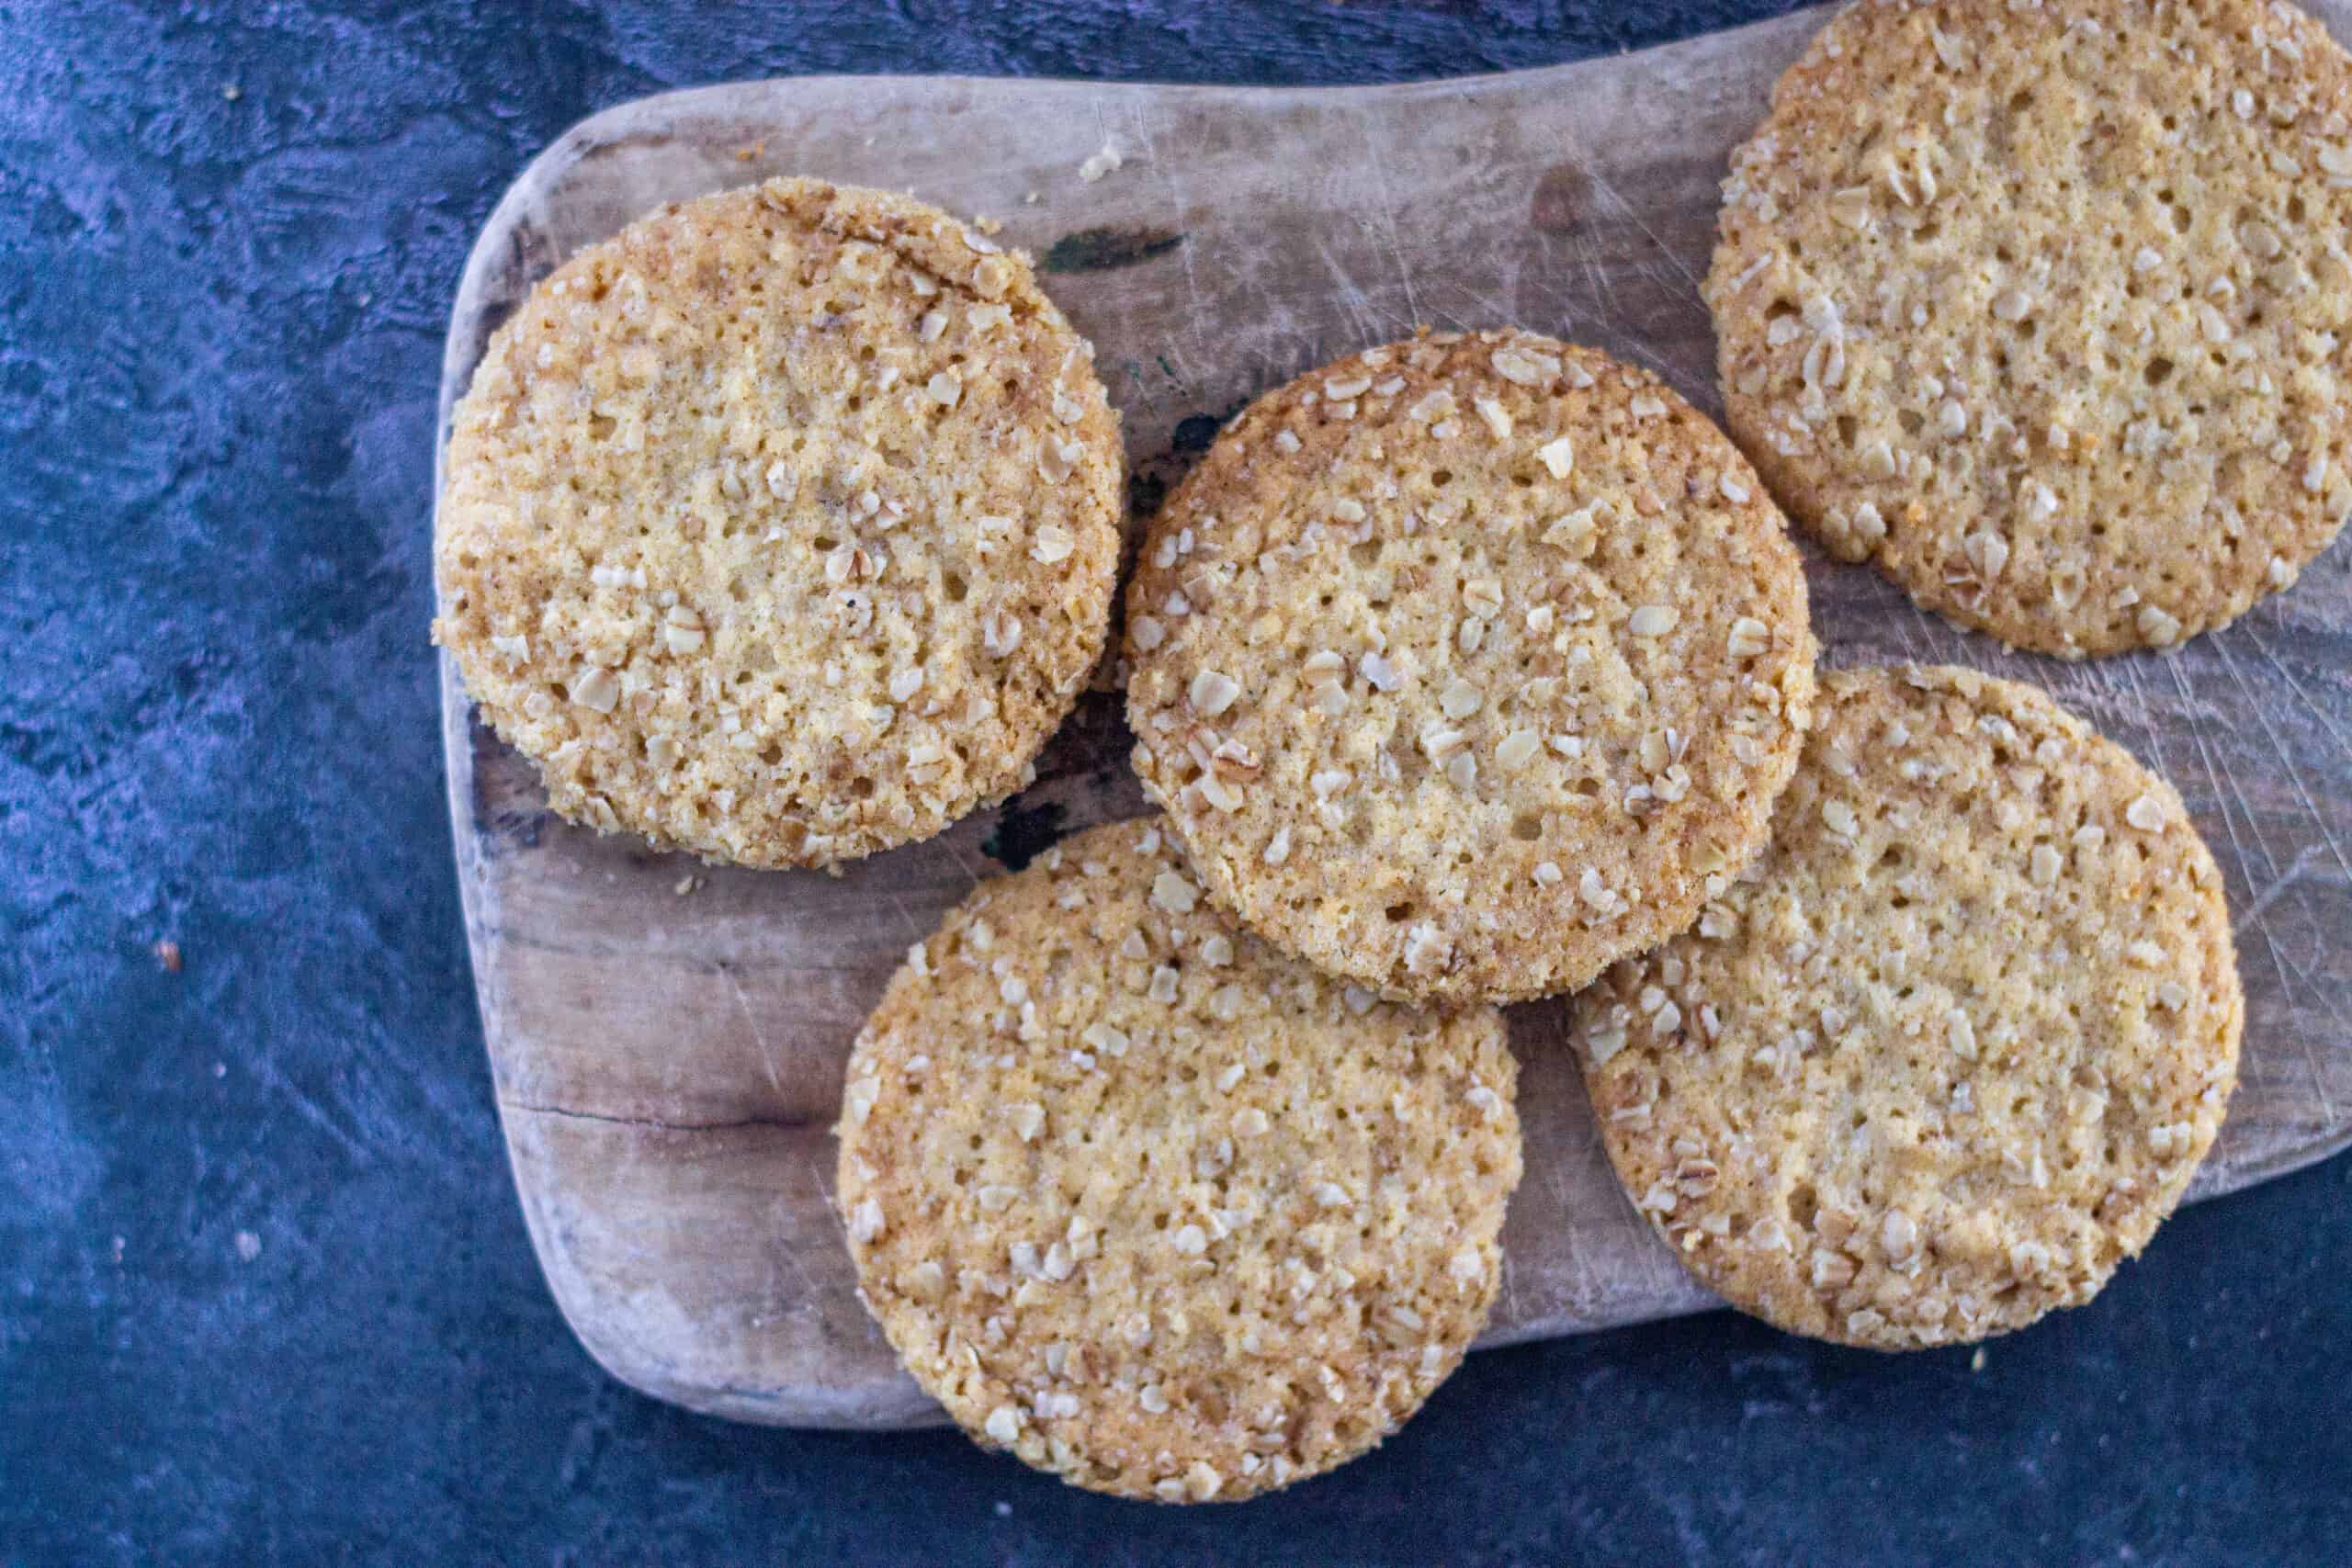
column 667, row 1066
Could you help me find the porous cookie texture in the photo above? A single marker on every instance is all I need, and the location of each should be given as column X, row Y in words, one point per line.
column 781, row 526
column 1464, row 665
column 2043, row 307
column 1155, row 1208
column 1951, row 1049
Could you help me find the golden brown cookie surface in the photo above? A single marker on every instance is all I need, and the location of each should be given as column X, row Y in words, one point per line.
column 1155, row 1208
column 1952, row 1047
column 2041, row 308
column 1462, row 664
column 781, row 526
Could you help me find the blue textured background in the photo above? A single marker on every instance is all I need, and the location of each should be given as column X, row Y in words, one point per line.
column 220, row 322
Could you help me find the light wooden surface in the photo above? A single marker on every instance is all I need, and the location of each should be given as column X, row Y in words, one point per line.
column 667, row 1067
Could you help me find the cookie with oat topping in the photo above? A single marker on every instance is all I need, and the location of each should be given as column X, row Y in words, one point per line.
column 1155, row 1208
column 1951, row 1049
column 2041, row 307
column 1466, row 665
column 781, row 526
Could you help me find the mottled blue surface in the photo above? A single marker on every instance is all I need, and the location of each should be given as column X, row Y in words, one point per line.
column 220, row 324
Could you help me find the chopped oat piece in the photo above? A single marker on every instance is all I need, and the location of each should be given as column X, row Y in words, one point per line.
column 1105, row 161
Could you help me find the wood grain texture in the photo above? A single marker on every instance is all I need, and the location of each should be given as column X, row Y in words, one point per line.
column 667, row 1067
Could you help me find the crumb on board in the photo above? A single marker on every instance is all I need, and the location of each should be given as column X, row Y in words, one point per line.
column 988, row 225
column 686, row 884
column 248, row 1246
column 1977, row 1362
column 1105, row 162
column 751, row 152
column 167, row 954
column 232, row 92
column 1032, row 198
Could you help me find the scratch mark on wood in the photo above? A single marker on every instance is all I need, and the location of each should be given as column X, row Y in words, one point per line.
column 1388, row 220
column 2320, row 714
column 759, row 1035
column 913, row 930
column 2257, row 917
column 824, row 1193
column 2286, row 761
column 2257, row 920
column 1363, row 323
column 2224, row 785
column 947, row 842
column 1171, row 174
column 1600, row 184
column 567, row 1114
column 2279, row 883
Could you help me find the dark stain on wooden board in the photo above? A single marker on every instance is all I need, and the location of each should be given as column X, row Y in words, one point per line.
column 1102, row 250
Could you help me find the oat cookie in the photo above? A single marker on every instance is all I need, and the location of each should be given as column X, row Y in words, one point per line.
column 781, row 526
column 1949, row 1050
column 1463, row 664
column 2041, row 308
column 1155, row 1207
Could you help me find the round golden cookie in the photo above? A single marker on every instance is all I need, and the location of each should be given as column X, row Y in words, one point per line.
column 1947, row 1052
column 2041, row 307
column 781, row 526
column 1155, row 1208
column 1462, row 665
